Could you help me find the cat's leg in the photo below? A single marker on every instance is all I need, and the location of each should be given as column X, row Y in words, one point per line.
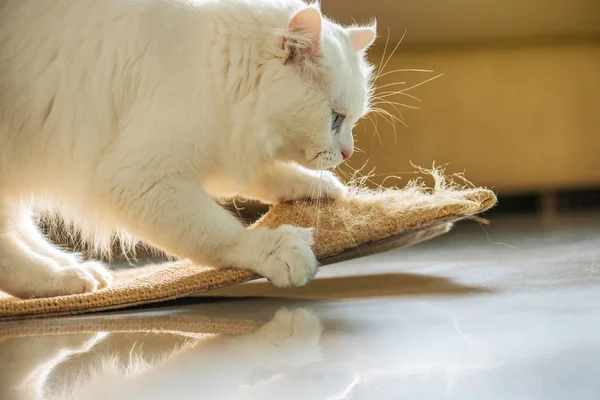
column 25, row 273
column 180, row 218
column 286, row 181
column 30, row 234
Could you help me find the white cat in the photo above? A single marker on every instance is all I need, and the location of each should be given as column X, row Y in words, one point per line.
column 132, row 116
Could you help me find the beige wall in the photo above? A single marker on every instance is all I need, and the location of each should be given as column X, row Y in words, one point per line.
column 431, row 22
column 513, row 118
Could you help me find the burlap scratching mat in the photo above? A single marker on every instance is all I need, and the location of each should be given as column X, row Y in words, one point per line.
column 362, row 223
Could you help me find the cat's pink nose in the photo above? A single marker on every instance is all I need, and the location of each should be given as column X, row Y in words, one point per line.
column 346, row 154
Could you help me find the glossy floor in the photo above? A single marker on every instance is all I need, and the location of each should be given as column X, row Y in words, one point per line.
column 509, row 311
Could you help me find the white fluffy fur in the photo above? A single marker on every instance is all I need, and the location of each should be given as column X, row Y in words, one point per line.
column 133, row 115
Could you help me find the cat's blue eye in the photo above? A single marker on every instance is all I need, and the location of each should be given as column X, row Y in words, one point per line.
column 336, row 120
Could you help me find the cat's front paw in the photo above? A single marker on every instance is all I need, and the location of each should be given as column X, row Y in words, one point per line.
column 86, row 277
column 330, row 186
column 317, row 185
column 288, row 259
column 102, row 275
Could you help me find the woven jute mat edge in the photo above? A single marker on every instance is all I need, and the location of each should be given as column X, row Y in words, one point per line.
column 238, row 276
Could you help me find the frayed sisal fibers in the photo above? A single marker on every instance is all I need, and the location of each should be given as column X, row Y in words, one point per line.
column 359, row 220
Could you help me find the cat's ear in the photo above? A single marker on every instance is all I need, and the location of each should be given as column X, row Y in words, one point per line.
column 362, row 37
column 303, row 36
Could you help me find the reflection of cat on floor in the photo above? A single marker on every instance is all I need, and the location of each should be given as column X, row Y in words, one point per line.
column 26, row 361
column 152, row 366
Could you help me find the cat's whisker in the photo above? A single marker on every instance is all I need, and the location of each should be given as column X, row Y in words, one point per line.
column 382, row 111
column 404, row 70
column 383, row 95
column 377, row 111
column 391, row 84
column 362, row 122
column 401, row 93
column 386, row 113
column 398, row 117
column 392, row 120
column 384, row 101
column 381, row 66
column 379, row 74
column 421, row 83
column 375, row 128
column 380, row 97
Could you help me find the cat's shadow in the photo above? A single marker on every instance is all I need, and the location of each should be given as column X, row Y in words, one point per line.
column 355, row 287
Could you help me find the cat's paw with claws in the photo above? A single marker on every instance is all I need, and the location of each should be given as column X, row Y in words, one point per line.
column 287, row 258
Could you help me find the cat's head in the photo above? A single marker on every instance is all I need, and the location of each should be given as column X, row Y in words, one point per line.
column 322, row 88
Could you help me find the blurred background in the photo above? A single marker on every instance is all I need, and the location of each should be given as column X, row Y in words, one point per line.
column 516, row 109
